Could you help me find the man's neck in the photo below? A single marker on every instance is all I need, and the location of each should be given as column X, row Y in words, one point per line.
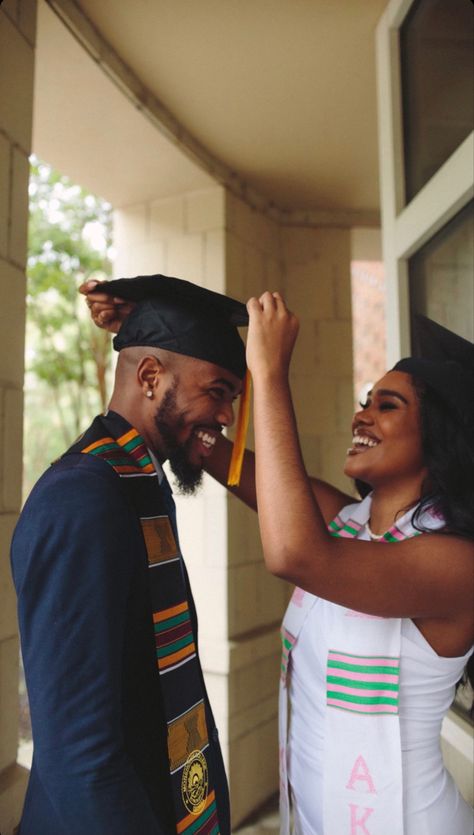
column 134, row 417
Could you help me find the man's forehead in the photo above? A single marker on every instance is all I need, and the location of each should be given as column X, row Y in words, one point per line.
column 210, row 374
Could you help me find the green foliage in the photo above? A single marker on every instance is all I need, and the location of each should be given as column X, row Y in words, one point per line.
column 67, row 357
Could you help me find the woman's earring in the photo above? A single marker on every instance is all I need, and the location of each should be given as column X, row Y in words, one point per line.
column 149, row 393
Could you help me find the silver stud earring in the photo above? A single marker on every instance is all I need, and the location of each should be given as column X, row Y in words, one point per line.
column 149, row 393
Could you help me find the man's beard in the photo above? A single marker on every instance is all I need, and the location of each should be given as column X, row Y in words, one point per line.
column 168, row 421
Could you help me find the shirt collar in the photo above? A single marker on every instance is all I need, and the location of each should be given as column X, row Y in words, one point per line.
column 159, row 469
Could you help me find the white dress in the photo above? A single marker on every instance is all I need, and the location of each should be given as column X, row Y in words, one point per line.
column 432, row 804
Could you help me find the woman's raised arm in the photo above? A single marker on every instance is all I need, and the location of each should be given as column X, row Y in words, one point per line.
column 426, row 576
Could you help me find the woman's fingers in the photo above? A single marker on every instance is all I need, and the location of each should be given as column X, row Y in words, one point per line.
column 267, row 299
column 88, row 286
column 272, row 301
column 254, row 305
column 268, row 302
column 107, row 312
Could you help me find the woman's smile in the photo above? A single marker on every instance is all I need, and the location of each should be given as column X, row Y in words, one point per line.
column 362, row 442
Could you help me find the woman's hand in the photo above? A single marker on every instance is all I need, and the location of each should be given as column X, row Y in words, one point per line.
column 271, row 336
column 107, row 312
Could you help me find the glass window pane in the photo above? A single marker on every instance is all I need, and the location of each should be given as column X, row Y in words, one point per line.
column 442, row 276
column 437, row 62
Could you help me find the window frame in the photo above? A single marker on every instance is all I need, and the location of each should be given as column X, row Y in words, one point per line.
column 406, row 227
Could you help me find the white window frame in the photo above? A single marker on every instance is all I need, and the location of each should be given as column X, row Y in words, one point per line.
column 406, row 228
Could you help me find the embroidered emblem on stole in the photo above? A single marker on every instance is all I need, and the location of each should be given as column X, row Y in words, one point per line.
column 194, row 783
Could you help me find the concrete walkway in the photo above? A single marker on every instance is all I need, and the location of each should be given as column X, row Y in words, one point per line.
column 265, row 822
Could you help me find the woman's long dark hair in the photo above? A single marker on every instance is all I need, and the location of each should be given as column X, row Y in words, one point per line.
column 448, row 450
column 448, row 453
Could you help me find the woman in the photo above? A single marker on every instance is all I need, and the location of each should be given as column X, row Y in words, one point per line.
column 378, row 638
column 374, row 641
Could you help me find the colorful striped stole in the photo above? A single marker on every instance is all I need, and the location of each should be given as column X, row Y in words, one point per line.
column 192, row 782
column 362, row 684
column 351, row 528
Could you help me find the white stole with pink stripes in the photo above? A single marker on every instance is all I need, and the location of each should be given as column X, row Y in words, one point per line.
column 362, row 792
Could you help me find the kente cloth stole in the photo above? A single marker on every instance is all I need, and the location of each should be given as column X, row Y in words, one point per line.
column 362, row 791
column 113, row 440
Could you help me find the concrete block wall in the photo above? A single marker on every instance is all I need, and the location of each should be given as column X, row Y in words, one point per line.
column 213, row 238
column 181, row 235
column 318, row 288
column 17, row 44
column 257, row 600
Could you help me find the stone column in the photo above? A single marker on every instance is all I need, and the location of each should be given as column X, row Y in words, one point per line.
column 17, row 41
column 216, row 240
column 256, row 600
column 318, row 288
column 213, row 238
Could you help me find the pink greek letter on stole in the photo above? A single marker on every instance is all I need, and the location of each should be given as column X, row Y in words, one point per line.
column 358, row 826
column 360, row 772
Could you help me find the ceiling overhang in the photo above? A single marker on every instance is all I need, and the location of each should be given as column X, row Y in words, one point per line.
column 142, row 105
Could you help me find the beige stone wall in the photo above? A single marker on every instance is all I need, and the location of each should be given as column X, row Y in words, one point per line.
column 318, row 289
column 256, row 600
column 17, row 38
column 312, row 269
column 217, row 240
column 181, row 235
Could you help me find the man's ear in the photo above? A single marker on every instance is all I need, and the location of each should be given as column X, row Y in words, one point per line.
column 149, row 372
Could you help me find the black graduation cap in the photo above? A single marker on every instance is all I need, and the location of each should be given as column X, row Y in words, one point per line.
column 179, row 316
column 445, row 362
column 182, row 317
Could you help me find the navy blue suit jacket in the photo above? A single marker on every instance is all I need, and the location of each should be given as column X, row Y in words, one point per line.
column 100, row 764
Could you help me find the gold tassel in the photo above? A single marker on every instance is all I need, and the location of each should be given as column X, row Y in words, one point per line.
column 236, row 461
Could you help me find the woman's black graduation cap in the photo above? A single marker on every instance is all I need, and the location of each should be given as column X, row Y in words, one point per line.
column 445, row 362
column 179, row 316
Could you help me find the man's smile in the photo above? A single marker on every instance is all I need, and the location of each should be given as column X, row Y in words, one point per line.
column 207, row 438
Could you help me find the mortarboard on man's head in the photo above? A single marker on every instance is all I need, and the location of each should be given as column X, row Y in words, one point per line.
column 179, row 316
column 444, row 361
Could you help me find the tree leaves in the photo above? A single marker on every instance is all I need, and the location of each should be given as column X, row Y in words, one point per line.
column 67, row 357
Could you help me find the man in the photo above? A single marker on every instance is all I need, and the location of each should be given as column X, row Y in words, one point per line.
column 124, row 738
